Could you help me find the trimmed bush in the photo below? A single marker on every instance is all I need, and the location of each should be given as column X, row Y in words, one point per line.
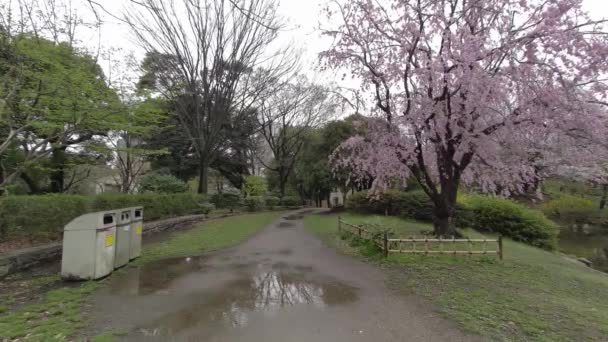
column 482, row 213
column 38, row 217
column 254, row 203
column 573, row 210
column 155, row 206
column 43, row 217
column 272, row 202
column 291, row 201
column 414, row 204
column 510, row 219
column 163, row 184
column 227, row 200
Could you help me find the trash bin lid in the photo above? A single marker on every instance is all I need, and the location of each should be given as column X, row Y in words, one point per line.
column 92, row 221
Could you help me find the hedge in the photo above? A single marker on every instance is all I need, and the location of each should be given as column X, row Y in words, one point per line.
column 43, row 216
column 482, row 213
column 254, row 203
column 227, row 200
column 485, row 213
column 291, row 201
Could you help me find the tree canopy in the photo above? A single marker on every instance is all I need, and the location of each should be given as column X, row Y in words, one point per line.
column 467, row 87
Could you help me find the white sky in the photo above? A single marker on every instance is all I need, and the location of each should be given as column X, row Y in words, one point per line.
column 302, row 17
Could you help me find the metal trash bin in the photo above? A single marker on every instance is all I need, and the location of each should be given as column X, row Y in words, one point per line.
column 137, row 225
column 123, row 238
column 88, row 246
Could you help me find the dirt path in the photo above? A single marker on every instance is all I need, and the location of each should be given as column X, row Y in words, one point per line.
column 281, row 285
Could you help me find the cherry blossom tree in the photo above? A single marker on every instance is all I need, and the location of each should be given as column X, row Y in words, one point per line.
column 467, row 90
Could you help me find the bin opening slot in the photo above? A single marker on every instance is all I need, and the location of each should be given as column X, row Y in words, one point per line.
column 107, row 219
column 137, row 213
column 125, row 215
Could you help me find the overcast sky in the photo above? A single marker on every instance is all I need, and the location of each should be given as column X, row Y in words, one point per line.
column 302, row 17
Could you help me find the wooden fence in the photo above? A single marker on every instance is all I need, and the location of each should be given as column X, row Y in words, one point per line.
column 448, row 246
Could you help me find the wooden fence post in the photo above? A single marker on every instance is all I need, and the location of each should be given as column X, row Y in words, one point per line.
column 500, row 247
column 385, row 243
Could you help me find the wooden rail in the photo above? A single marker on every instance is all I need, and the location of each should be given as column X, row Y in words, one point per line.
column 430, row 246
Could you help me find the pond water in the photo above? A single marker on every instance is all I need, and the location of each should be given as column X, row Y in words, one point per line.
column 592, row 247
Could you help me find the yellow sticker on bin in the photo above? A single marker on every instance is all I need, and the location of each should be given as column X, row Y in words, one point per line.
column 109, row 240
column 138, row 229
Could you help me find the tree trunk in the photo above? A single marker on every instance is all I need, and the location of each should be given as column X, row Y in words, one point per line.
column 282, row 181
column 203, row 177
column 442, row 221
column 604, row 196
column 57, row 176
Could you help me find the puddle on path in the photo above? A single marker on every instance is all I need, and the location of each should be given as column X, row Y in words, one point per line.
column 285, row 224
column 252, row 293
column 238, row 301
column 154, row 277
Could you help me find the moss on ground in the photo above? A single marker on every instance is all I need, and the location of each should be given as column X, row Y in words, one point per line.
column 58, row 316
column 530, row 295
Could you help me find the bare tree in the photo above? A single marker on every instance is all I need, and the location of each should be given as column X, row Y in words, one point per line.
column 285, row 116
column 211, row 59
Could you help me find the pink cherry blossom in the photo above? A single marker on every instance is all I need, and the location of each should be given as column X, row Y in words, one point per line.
column 490, row 93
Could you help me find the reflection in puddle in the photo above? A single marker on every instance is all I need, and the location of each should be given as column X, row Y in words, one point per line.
column 237, row 301
column 154, row 278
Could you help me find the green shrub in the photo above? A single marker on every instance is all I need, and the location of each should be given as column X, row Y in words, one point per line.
column 43, row 216
column 510, row 219
column 413, row 204
column 573, row 210
column 255, row 185
column 38, row 217
column 163, row 184
column 205, row 208
column 359, row 202
column 476, row 211
column 272, row 202
column 254, row 203
column 227, row 200
column 156, row 206
column 291, row 201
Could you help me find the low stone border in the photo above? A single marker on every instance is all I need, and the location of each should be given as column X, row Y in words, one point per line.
column 26, row 258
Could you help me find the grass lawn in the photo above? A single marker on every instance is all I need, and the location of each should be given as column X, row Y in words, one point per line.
column 530, row 295
column 59, row 314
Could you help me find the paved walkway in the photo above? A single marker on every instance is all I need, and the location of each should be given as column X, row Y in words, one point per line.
column 283, row 285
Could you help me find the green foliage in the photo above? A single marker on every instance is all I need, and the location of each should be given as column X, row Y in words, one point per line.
column 291, row 201
column 491, row 214
column 43, row 216
column 572, row 210
column 254, row 203
column 156, row 206
column 272, row 202
column 480, row 212
column 255, row 186
column 414, row 204
column 38, row 217
column 163, row 184
column 227, row 200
